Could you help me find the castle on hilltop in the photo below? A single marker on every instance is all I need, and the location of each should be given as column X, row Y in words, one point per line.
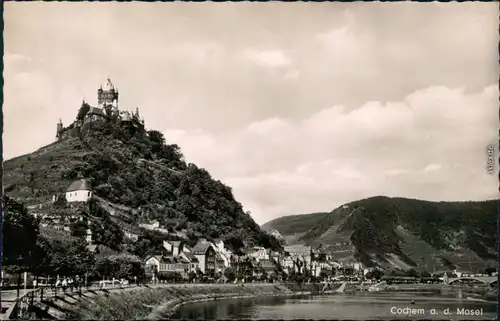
column 106, row 110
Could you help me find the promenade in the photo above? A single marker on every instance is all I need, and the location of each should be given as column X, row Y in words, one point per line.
column 56, row 304
column 10, row 301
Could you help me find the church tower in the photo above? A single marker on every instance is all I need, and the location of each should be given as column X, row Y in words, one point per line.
column 88, row 236
column 107, row 95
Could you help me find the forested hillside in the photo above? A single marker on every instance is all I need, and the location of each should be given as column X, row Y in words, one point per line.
column 137, row 177
column 402, row 232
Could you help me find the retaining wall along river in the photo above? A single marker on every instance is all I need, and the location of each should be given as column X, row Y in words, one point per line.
column 154, row 302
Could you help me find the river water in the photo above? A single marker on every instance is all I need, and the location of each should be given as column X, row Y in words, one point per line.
column 359, row 306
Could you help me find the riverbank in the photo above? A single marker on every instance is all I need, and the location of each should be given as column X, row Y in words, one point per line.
column 154, row 302
column 161, row 301
column 482, row 292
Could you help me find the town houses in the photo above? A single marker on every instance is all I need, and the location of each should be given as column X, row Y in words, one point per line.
column 210, row 260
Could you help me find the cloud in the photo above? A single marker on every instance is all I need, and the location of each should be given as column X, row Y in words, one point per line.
column 14, row 58
column 337, row 156
column 271, row 58
column 292, row 74
column 432, row 167
column 355, row 100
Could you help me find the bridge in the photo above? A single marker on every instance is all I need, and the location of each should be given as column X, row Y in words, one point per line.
column 490, row 280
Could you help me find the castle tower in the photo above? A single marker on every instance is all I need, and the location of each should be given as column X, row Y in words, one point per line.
column 107, row 95
column 59, row 129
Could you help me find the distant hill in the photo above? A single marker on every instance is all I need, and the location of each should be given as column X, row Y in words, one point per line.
column 293, row 227
column 402, row 233
column 137, row 178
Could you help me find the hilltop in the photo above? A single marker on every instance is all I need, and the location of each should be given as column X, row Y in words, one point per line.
column 137, row 177
column 401, row 232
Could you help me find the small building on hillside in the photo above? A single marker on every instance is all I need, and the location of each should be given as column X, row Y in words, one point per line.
column 79, row 191
column 131, row 235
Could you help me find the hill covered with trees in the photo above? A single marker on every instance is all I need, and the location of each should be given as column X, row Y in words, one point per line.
column 137, row 177
column 401, row 232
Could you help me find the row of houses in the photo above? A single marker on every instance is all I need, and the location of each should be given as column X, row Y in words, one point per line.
column 206, row 257
column 212, row 258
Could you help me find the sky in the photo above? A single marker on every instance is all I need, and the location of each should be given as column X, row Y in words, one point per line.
column 299, row 107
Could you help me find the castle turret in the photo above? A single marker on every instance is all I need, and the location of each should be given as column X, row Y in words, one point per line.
column 60, row 128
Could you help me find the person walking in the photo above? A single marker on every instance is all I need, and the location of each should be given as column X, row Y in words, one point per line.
column 58, row 284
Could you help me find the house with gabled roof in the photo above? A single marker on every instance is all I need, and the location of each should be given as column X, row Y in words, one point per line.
column 79, row 191
column 206, row 255
column 192, row 261
column 175, row 247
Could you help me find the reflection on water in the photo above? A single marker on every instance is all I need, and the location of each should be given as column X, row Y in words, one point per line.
column 361, row 306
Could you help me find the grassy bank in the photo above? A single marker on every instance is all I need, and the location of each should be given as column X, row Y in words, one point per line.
column 155, row 302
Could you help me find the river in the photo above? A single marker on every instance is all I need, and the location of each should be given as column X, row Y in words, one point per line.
column 359, row 306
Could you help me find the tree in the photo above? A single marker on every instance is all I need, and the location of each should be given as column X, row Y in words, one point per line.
column 377, row 274
column 79, row 229
column 490, row 270
column 20, row 234
column 42, row 258
column 191, row 276
column 120, row 266
column 412, row 273
column 82, row 112
column 348, row 270
column 269, row 241
column 156, row 137
column 230, row 274
column 110, row 236
column 425, row 274
column 70, row 259
column 169, row 276
column 235, row 243
column 129, row 266
column 104, row 267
